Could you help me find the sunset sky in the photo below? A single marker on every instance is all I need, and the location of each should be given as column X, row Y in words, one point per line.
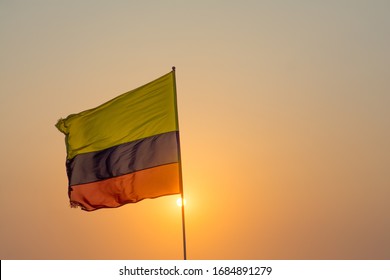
column 284, row 113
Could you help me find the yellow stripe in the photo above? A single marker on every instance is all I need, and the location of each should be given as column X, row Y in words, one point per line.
column 140, row 113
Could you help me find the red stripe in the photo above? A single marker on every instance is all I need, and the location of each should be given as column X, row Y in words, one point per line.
column 130, row 188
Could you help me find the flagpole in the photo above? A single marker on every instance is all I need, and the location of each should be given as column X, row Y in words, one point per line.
column 180, row 169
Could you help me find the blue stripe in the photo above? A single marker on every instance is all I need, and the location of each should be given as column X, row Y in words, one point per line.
column 123, row 159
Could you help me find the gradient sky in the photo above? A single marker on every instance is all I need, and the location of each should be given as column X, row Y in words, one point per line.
column 284, row 110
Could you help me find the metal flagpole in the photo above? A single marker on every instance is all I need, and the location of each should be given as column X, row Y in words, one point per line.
column 180, row 169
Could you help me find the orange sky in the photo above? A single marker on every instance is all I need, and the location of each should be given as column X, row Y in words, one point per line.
column 284, row 118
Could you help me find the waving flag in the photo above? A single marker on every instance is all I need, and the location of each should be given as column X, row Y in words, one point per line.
column 126, row 149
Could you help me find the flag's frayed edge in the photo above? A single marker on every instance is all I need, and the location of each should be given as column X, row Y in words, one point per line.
column 74, row 204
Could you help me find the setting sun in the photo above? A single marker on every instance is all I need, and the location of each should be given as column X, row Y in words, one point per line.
column 179, row 203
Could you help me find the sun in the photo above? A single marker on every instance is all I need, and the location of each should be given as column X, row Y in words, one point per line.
column 179, row 203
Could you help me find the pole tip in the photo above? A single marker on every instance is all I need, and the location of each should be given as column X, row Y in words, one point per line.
column 173, row 68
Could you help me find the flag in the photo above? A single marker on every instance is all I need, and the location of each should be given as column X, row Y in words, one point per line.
column 126, row 149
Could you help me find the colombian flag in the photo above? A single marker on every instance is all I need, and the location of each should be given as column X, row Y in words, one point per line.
column 126, row 149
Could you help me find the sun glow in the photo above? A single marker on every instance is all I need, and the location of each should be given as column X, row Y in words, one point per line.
column 179, row 202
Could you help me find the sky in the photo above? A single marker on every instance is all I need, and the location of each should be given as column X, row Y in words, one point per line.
column 284, row 124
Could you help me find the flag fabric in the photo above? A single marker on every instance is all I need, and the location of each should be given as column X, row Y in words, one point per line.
column 126, row 149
